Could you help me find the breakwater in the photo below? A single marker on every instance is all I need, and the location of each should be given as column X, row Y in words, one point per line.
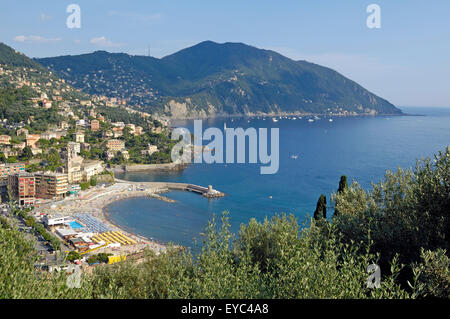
column 208, row 192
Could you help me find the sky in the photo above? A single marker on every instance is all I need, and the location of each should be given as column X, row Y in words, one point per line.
column 406, row 60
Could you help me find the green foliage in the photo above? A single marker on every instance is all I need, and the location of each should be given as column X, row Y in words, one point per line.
column 12, row 159
column 73, row 255
column 21, row 279
column 93, row 181
column 343, row 185
column 26, row 154
column 432, row 274
column 406, row 211
column 85, row 185
column 299, row 266
column 321, row 208
column 15, row 105
column 99, row 258
column 53, row 160
column 4, row 223
column 11, row 57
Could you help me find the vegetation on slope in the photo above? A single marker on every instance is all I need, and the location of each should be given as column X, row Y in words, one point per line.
column 402, row 225
column 212, row 78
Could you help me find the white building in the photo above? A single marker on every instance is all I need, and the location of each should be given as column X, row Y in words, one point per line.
column 56, row 220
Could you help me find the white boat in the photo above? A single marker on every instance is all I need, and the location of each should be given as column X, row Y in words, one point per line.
column 310, row 120
column 294, row 156
column 294, row 118
column 330, row 120
column 275, row 120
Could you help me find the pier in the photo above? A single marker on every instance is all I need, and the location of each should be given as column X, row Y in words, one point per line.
column 208, row 192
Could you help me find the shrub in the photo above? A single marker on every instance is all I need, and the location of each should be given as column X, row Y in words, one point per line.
column 432, row 275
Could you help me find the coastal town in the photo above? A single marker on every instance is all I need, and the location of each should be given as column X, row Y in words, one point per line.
column 59, row 149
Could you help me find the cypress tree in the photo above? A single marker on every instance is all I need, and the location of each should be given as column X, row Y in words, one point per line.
column 321, row 208
column 342, row 185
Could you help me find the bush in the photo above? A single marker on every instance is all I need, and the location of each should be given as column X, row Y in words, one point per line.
column 310, row 264
column 99, row 258
column 93, row 181
column 85, row 186
column 403, row 213
column 73, row 255
column 432, row 275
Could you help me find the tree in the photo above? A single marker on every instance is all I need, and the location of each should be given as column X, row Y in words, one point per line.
column 27, row 154
column 73, row 255
column 84, row 185
column 321, row 208
column 12, row 159
column 403, row 213
column 93, row 181
column 343, row 185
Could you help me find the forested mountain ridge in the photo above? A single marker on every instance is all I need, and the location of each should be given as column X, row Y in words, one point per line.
column 211, row 79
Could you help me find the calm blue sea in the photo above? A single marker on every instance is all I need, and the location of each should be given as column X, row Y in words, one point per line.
column 362, row 148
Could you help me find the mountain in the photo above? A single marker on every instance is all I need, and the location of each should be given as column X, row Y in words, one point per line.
column 211, row 79
column 11, row 57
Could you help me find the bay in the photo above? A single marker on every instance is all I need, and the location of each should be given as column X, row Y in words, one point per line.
column 362, row 148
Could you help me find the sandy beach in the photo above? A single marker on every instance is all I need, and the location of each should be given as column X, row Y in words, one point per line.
column 95, row 200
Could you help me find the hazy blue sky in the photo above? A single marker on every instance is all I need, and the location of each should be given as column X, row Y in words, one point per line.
column 407, row 61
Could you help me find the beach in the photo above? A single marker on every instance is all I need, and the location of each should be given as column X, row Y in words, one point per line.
column 94, row 202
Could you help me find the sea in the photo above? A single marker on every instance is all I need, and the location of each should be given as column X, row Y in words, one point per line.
column 313, row 156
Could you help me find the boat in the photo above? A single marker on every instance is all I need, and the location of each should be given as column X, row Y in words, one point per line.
column 294, row 156
column 275, row 120
column 330, row 120
column 310, row 120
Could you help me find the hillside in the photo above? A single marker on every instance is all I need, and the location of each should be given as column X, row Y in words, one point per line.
column 211, row 79
column 14, row 58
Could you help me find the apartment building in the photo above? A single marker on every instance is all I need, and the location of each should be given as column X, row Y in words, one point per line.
column 115, row 145
column 9, row 169
column 51, row 185
column 95, row 125
column 23, row 188
column 5, row 139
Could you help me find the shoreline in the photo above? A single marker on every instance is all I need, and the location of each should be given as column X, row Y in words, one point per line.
column 96, row 201
column 226, row 116
column 166, row 167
